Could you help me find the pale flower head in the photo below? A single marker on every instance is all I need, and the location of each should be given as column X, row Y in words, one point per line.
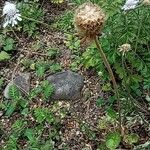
column 124, row 48
column 11, row 14
column 130, row 4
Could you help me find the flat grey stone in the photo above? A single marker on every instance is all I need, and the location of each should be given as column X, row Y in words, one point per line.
column 67, row 85
column 22, row 81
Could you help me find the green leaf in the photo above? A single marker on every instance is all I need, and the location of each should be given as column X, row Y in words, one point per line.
column 23, row 103
column 113, row 140
column 111, row 113
column 55, row 67
column 49, row 145
column 47, row 89
column 100, row 102
column 106, row 87
column 43, row 114
column 4, row 56
column 136, row 78
column 131, row 138
column 18, row 125
column 25, row 111
column 11, row 143
column 29, row 133
column 102, row 147
column 52, row 52
column 35, row 92
column 11, row 108
column 14, row 93
column 49, row 117
column 9, row 44
column 39, row 114
column 40, row 70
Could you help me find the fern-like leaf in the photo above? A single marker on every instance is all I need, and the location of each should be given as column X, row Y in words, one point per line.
column 14, row 92
column 48, row 89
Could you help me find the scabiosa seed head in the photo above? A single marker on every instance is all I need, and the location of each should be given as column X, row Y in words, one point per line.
column 89, row 20
column 124, row 48
column 146, row 2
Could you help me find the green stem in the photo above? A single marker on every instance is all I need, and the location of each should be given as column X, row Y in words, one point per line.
column 138, row 32
column 34, row 20
column 134, row 102
column 112, row 78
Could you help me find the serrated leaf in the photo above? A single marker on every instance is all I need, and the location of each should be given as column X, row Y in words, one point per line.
column 39, row 114
column 35, row 92
column 48, row 89
column 40, row 70
column 14, row 92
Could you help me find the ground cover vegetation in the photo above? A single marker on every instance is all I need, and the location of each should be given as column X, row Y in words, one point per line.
column 40, row 38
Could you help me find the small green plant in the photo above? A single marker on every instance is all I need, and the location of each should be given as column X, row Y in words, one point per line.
column 113, row 140
column 45, row 90
column 31, row 13
column 17, row 102
column 6, row 47
column 52, row 52
column 131, row 138
column 65, row 22
column 41, row 67
column 43, row 114
column 55, row 67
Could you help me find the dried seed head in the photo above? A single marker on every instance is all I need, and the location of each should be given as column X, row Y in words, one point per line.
column 146, row 2
column 89, row 19
column 124, row 48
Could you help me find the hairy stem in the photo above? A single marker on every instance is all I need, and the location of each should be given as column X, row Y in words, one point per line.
column 15, row 34
column 34, row 20
column 112, row 78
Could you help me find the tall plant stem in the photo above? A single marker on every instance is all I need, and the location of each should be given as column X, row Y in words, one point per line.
column 112, row 78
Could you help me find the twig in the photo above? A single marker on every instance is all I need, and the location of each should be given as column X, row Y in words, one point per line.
column 15, row 34
column 36, row 53
column 14, row 71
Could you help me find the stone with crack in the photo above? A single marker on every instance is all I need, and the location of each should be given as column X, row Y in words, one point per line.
column 67, row 85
